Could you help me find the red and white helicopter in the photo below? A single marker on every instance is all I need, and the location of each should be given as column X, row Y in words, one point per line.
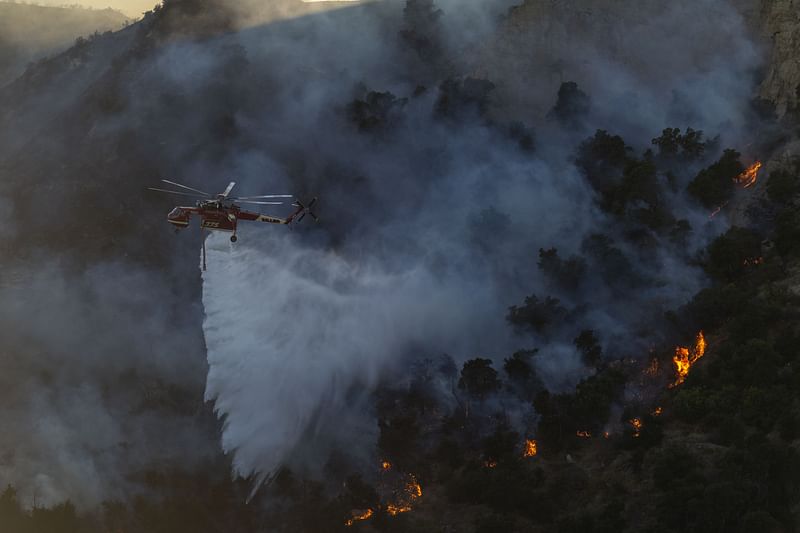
column 221, row 212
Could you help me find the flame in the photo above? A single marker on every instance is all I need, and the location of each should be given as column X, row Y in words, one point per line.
column 411, row 492
column 490, row 463
column 584, row 434
column 414, row 488
column 386, row 465
column 716, row 211
column 606, row 434
column 652, row 368
column 395, row 510
column 684, row 358
column 637, row 426
column 657, row 411
column 531, row 448
column 359, row 516
column 749, row 177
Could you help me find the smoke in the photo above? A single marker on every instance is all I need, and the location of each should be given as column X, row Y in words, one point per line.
column 31, row 32
column 431, row 220
column 432, row 227
column 93, row 374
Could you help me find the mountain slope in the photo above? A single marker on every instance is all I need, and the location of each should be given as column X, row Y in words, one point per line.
column 30, row 32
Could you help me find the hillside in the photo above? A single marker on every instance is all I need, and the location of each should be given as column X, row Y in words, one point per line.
column 542, row 297
column 30, row 32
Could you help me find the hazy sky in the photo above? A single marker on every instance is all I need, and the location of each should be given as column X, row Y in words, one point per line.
column 132, row 8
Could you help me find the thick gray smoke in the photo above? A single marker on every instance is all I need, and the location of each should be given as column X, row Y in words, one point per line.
column 432, row 218
column 85, row 394
column 431, row 229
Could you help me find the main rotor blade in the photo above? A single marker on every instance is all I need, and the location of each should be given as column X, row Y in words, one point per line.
column 177, row 192
column 229, row 189
column 262, row 196
column 259, row 203
column 185, row 187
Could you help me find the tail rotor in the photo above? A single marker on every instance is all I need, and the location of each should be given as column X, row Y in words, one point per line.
column 303, row 210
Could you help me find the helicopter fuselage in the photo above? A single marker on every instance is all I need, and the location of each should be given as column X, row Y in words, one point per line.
column 219, row 216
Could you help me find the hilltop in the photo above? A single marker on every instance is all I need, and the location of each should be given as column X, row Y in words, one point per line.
column 187, row 94
column 30, row 32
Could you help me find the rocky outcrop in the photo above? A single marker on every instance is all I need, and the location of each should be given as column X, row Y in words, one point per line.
column 780, row 23
column 610, row 46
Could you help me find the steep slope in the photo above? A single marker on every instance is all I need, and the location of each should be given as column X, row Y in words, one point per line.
column 781, row 24
column 30, row 32
column 105, row 351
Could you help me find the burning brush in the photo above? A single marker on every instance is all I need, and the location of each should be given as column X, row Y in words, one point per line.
column 749, row 177
column 684, row 358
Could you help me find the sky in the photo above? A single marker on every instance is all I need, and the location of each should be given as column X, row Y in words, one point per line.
column 132, row 8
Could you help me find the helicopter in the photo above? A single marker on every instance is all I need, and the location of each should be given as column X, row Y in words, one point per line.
column 220, row 212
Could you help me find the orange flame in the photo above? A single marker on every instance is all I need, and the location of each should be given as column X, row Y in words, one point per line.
column 358, row 516
column 411, row 492
column 749, row 177
column 490, row 463
column 395, row 510
column 414, row 488
column 386, row 465
column 531, row 448
column 657, row 411
column 584, row 434
column 637, row 426
column 606, row 434
column 684, row 358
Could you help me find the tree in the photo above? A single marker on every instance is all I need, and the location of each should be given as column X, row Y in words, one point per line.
column 672, row 144
column 572, row 106
column 537, row 315
column 11, row 514
column 518, row 366
column 638, row 196
column 478, row 378
column 728, row 254
column 787, row 232
column 463, row 99
column 589, row 347
column 422, row 29
column 564, row 274
column 375, row 111
column 784, row 184
column 609, row 261
column 601, row 159
column 714, row 185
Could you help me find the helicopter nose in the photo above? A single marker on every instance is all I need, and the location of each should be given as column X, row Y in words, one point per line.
column 178, row 217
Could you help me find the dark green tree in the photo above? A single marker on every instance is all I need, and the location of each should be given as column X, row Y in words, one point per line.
column 589, row 347
column 537, row 315
column 422, row 30
column 714, row 185
column 601, row 159
column 566, row 274
column 572, row 107
column 478, row 378
column 728, row 254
